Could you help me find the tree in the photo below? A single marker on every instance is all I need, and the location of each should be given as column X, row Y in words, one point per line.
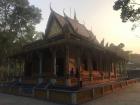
column 130, row 11
column 118, row 49
column 17, row 25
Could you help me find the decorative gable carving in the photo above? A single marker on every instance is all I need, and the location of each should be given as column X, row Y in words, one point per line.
column 54, row 29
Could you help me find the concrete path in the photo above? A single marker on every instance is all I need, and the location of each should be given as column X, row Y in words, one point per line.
column 6, row 99
column 127, row 96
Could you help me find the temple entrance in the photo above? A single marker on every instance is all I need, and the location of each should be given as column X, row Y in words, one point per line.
column 60, row 66
column 28, row 69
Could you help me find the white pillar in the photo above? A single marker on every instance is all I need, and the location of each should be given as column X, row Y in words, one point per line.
column 68, row 81
column 78, row 68
column 40, row 64
column 8, row 68
column 67, row 59
column 54, row 62
column 89, row 67
column 40, row 80
column 73, row 98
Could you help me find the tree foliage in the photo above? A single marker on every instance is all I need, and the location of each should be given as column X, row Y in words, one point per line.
column 17, row 25
column 130, row 11
column 118, row 49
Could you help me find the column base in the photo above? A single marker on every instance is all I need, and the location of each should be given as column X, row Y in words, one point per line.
column 40, row 80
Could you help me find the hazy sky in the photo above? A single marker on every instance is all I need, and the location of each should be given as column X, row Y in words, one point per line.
column 98, row 16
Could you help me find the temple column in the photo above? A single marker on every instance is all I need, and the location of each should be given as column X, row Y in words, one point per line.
column 78, row 60
column 67, row 60
column 40, row 80
column 40, row 65
column 68, row 80
column 15, row 69
column 115, row 69
column 89, row 67
column 53, row 51
column 110, row 70
column 97, row 58
column 21, row 70
column 124, row 68
column 120, row 70
column 54, row 62
column 23, row 67
column 101, row 66
column 8, row 67
column 78, row 68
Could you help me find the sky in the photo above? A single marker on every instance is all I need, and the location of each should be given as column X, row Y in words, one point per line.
column 97, row 15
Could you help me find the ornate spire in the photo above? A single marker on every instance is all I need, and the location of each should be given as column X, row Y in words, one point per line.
column 102, row 42
column 64, row 13
column 75, row 18
column 107, row 45
column 51, row 7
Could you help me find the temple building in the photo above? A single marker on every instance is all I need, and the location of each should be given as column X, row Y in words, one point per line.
column 69, row 57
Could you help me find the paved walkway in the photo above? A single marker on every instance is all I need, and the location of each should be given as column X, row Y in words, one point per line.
column 127, row 96
column 19, row 100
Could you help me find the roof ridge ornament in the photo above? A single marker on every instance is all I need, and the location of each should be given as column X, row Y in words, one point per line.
column 102, row 42
column 51, row 7
column 64, row 13
column 75, row 17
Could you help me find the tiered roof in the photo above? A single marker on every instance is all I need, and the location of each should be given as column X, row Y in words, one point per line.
column 74, row 26
column 59, row 25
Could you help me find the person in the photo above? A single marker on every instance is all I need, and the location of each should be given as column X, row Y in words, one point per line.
column 71, row 72
column 77, row 73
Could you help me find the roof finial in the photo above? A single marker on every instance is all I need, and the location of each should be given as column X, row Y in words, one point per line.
column 75, row 18
column 64, row 13
column 102, row 42
column 51, row 7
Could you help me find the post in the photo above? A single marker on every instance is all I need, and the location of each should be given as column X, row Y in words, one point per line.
column 40, row 80
column 124, row 67
column 23, row 67
column 120, row 70
column 110, row 70
column 15, row 69
column 78, row 68
column 54, row 62
column 8, row 69
column 67, row 59
column 40, row 64
column 115, row 69
column 67, row 65
column 73, row 98
column 101, row 66
column 20, row 70
column 90, row 68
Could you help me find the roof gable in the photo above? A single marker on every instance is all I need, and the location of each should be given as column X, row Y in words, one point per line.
column 53, row 26
column 60, row 24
